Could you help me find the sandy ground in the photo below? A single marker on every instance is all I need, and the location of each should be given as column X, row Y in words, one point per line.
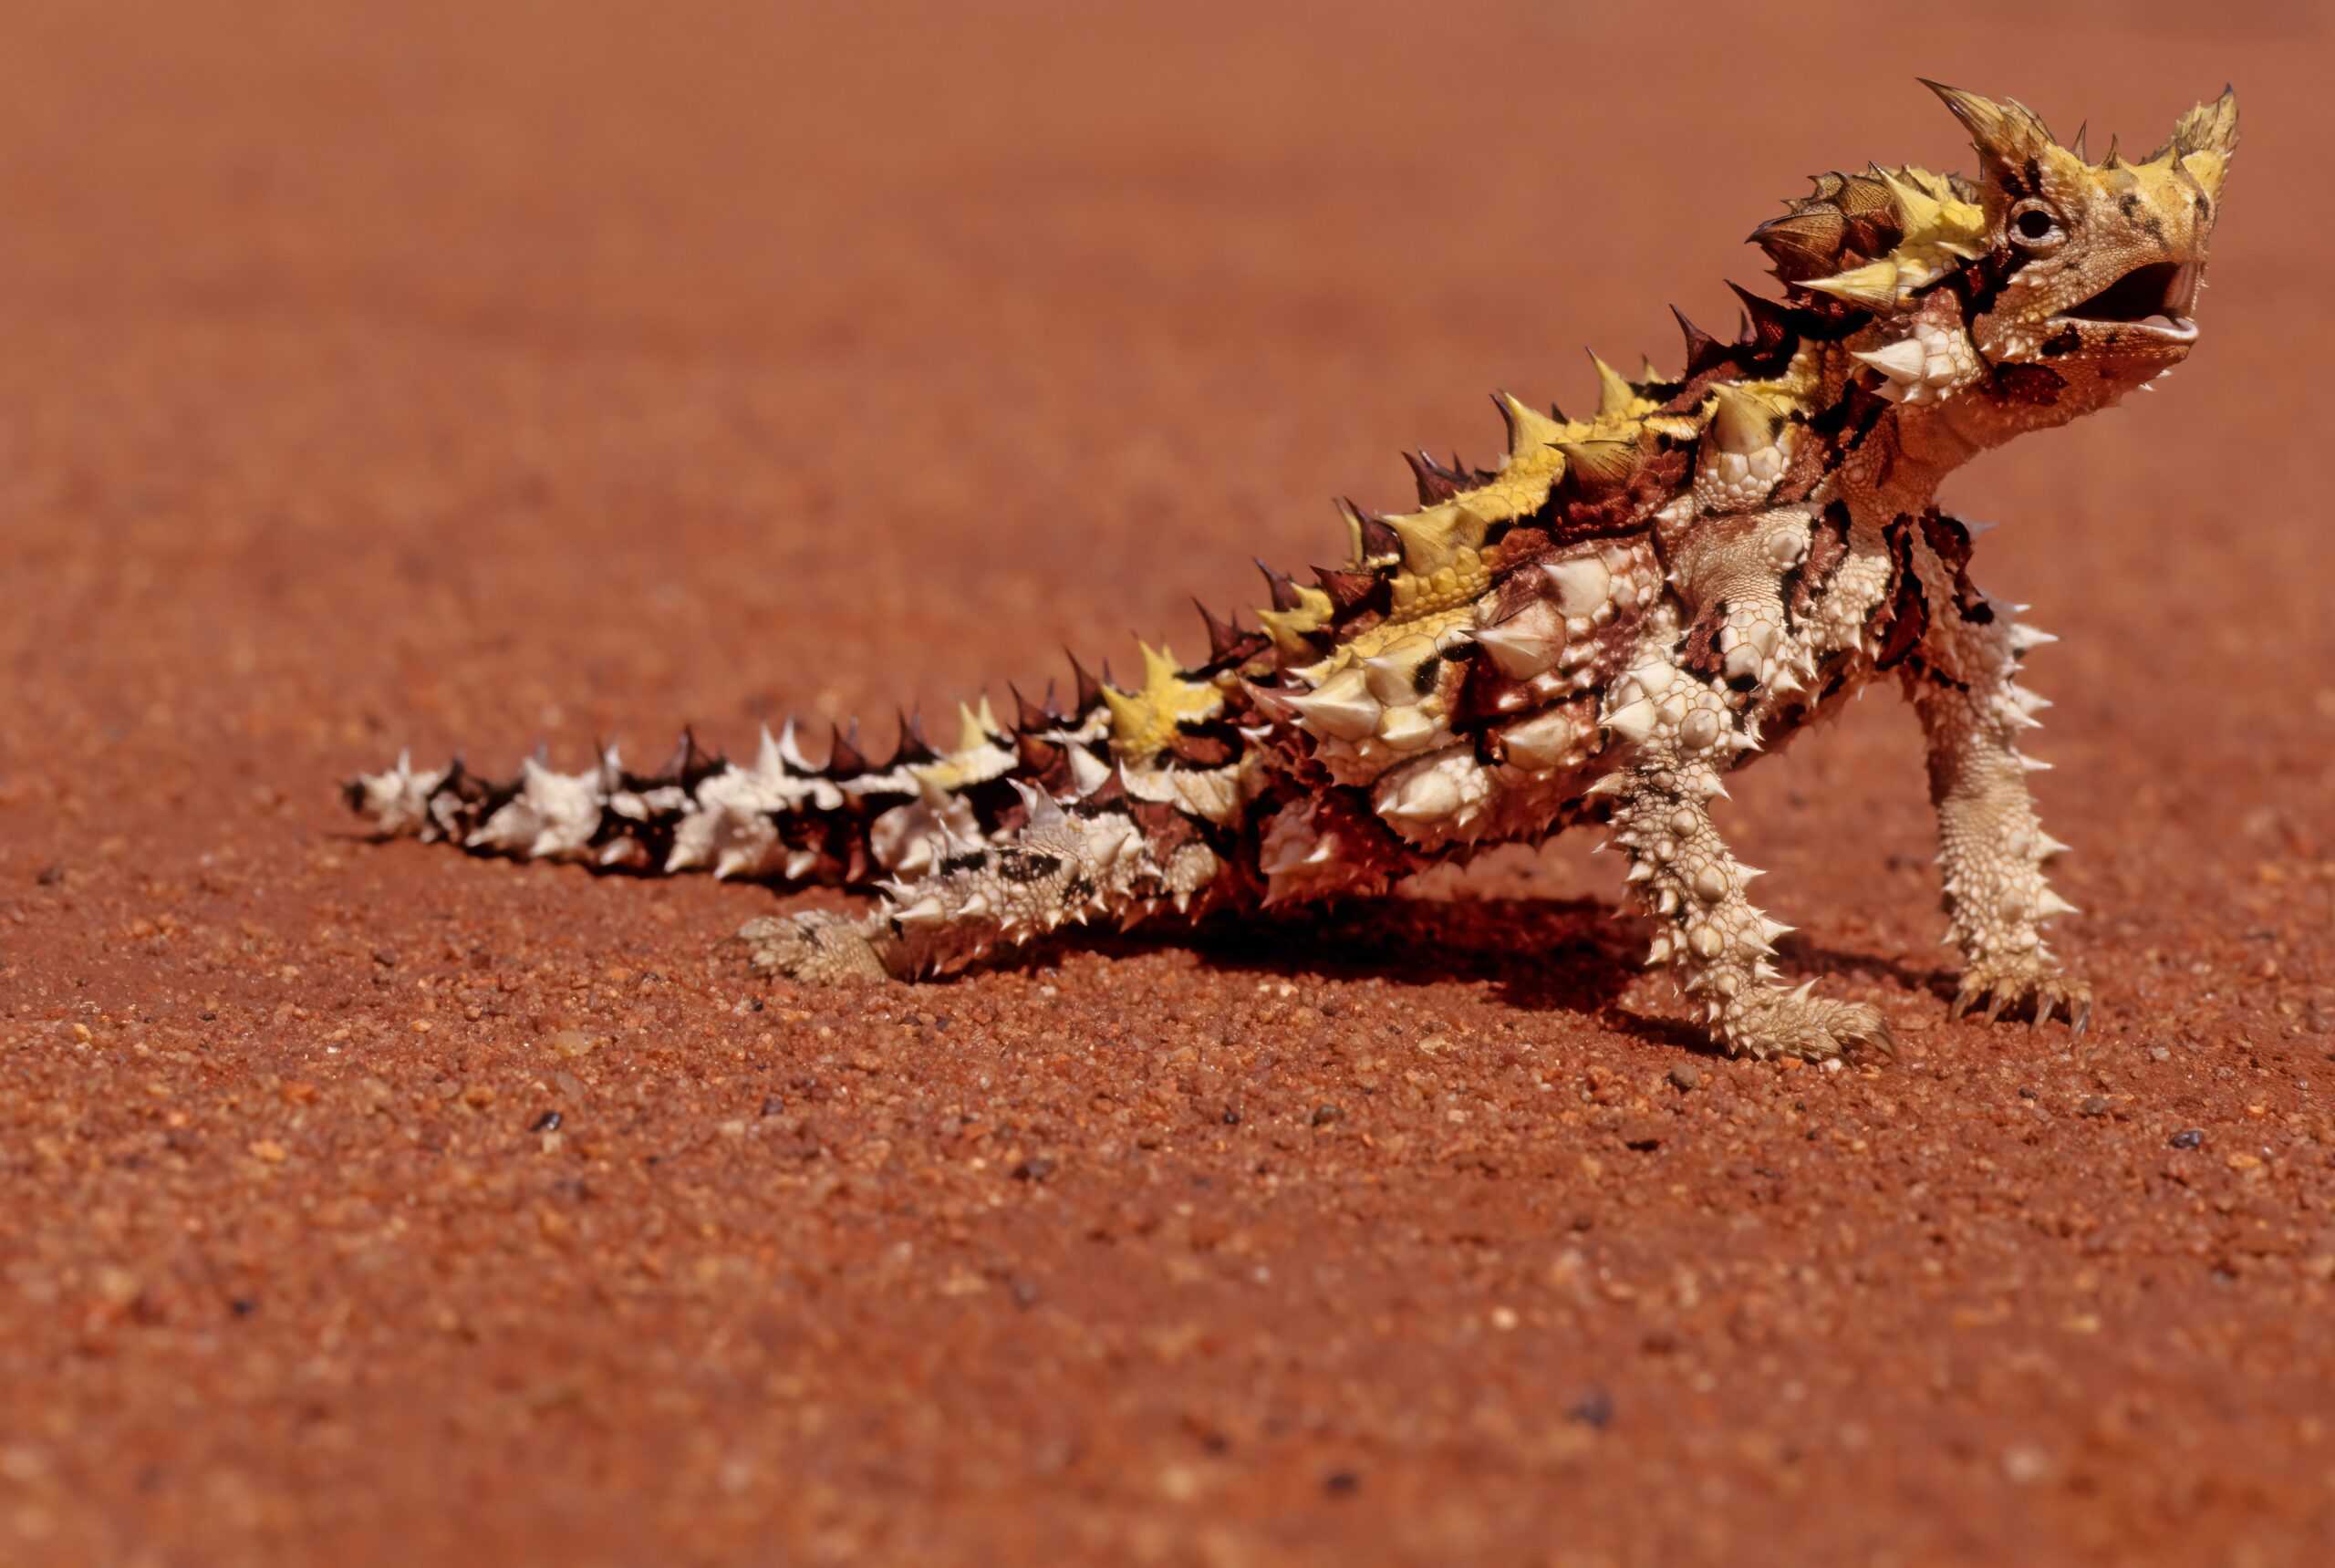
column 482, row 374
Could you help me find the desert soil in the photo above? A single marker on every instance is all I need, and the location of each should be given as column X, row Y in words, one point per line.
column 480, row 374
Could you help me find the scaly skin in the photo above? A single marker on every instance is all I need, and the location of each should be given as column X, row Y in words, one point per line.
column 1600, row 628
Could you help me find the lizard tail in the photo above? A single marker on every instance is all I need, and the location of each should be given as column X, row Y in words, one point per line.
column 845, row 821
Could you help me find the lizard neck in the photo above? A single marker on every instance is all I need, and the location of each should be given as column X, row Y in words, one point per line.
column 1897, row 470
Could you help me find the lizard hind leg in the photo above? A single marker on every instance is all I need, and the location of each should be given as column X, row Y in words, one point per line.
column 982, row 895
column 1716, row 943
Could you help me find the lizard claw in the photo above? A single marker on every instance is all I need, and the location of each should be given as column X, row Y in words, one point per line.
column 2004, row 985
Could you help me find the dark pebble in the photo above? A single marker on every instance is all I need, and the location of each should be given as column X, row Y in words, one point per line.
column 1324, row 1114
column 1036, row 1170
column 547, row 1122
column 2187, row 1137
column 2094, row 1106
column 1342, row 1483
column 1594, row 1408
column 50, row 875
column 1232, row 1116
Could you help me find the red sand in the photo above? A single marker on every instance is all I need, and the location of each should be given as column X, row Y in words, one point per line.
column 422, row 375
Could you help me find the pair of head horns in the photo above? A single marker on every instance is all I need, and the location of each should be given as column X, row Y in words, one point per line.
column 2008, row 135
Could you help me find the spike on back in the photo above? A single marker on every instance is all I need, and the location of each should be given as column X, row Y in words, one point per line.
column 1770, row 322
column 1346, row 588
column 912, row 747
column 1436, row 483
column 1703, row 350
column 1086, row 691
column 1226, row 641
column 1028, row 715
column 1528, row 430
column 1741, row 422
column 1283, row 589
column 1367, row 535
column 1600, row 467
column 1614, row 393
column 845, row 759
column 689, row 763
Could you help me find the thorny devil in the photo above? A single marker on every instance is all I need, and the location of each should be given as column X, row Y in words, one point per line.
column 1598, row 629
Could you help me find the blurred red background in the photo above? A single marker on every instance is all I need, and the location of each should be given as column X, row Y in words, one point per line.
column 471, row 374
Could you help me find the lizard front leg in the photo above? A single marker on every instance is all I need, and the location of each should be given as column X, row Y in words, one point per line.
column 1688, row 881
column 1991, row 848
column 983, row 895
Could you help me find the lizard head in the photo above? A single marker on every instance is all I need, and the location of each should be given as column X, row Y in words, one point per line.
column 2050, row 284
column 2092, row 270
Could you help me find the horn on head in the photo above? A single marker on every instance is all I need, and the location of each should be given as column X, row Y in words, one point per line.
column 2006, row 134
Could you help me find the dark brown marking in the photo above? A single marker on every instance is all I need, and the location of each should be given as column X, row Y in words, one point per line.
column 2037, row 386
column 1024, row 865
column 1828, row 546
column 1698, row 653
column 1949, row 540
column 1906, row 608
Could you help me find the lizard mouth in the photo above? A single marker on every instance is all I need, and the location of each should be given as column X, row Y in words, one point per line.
column 2155, row 299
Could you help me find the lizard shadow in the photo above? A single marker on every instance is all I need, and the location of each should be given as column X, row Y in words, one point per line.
column 1580, row 955
column 1538, row 955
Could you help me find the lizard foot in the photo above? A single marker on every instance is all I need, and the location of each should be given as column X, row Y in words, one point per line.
column 818, row 947
column 1774, row 1022
column 2002, row 984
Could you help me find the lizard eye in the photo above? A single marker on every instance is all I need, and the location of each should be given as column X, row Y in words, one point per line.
column 2035, row 228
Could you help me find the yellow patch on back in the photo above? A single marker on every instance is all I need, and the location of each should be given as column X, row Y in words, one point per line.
column 1289, row 628
column 1143, row 721
column 1374, row 640
column 1414, row 597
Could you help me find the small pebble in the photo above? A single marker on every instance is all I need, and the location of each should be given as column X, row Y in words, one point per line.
column 1341, row 1483
column 547, row 1122
column 2187, row 1137
column 1324, row 1114
column 2094, row 1106
column 2025, row 1464
column 1594, row 1408
column 1685, row 1076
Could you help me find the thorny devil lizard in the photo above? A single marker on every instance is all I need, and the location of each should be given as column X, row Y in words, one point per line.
column 1598, row 629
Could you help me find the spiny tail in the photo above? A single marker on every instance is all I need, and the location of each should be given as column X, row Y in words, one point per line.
column 779, row 817
column 845, row 822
